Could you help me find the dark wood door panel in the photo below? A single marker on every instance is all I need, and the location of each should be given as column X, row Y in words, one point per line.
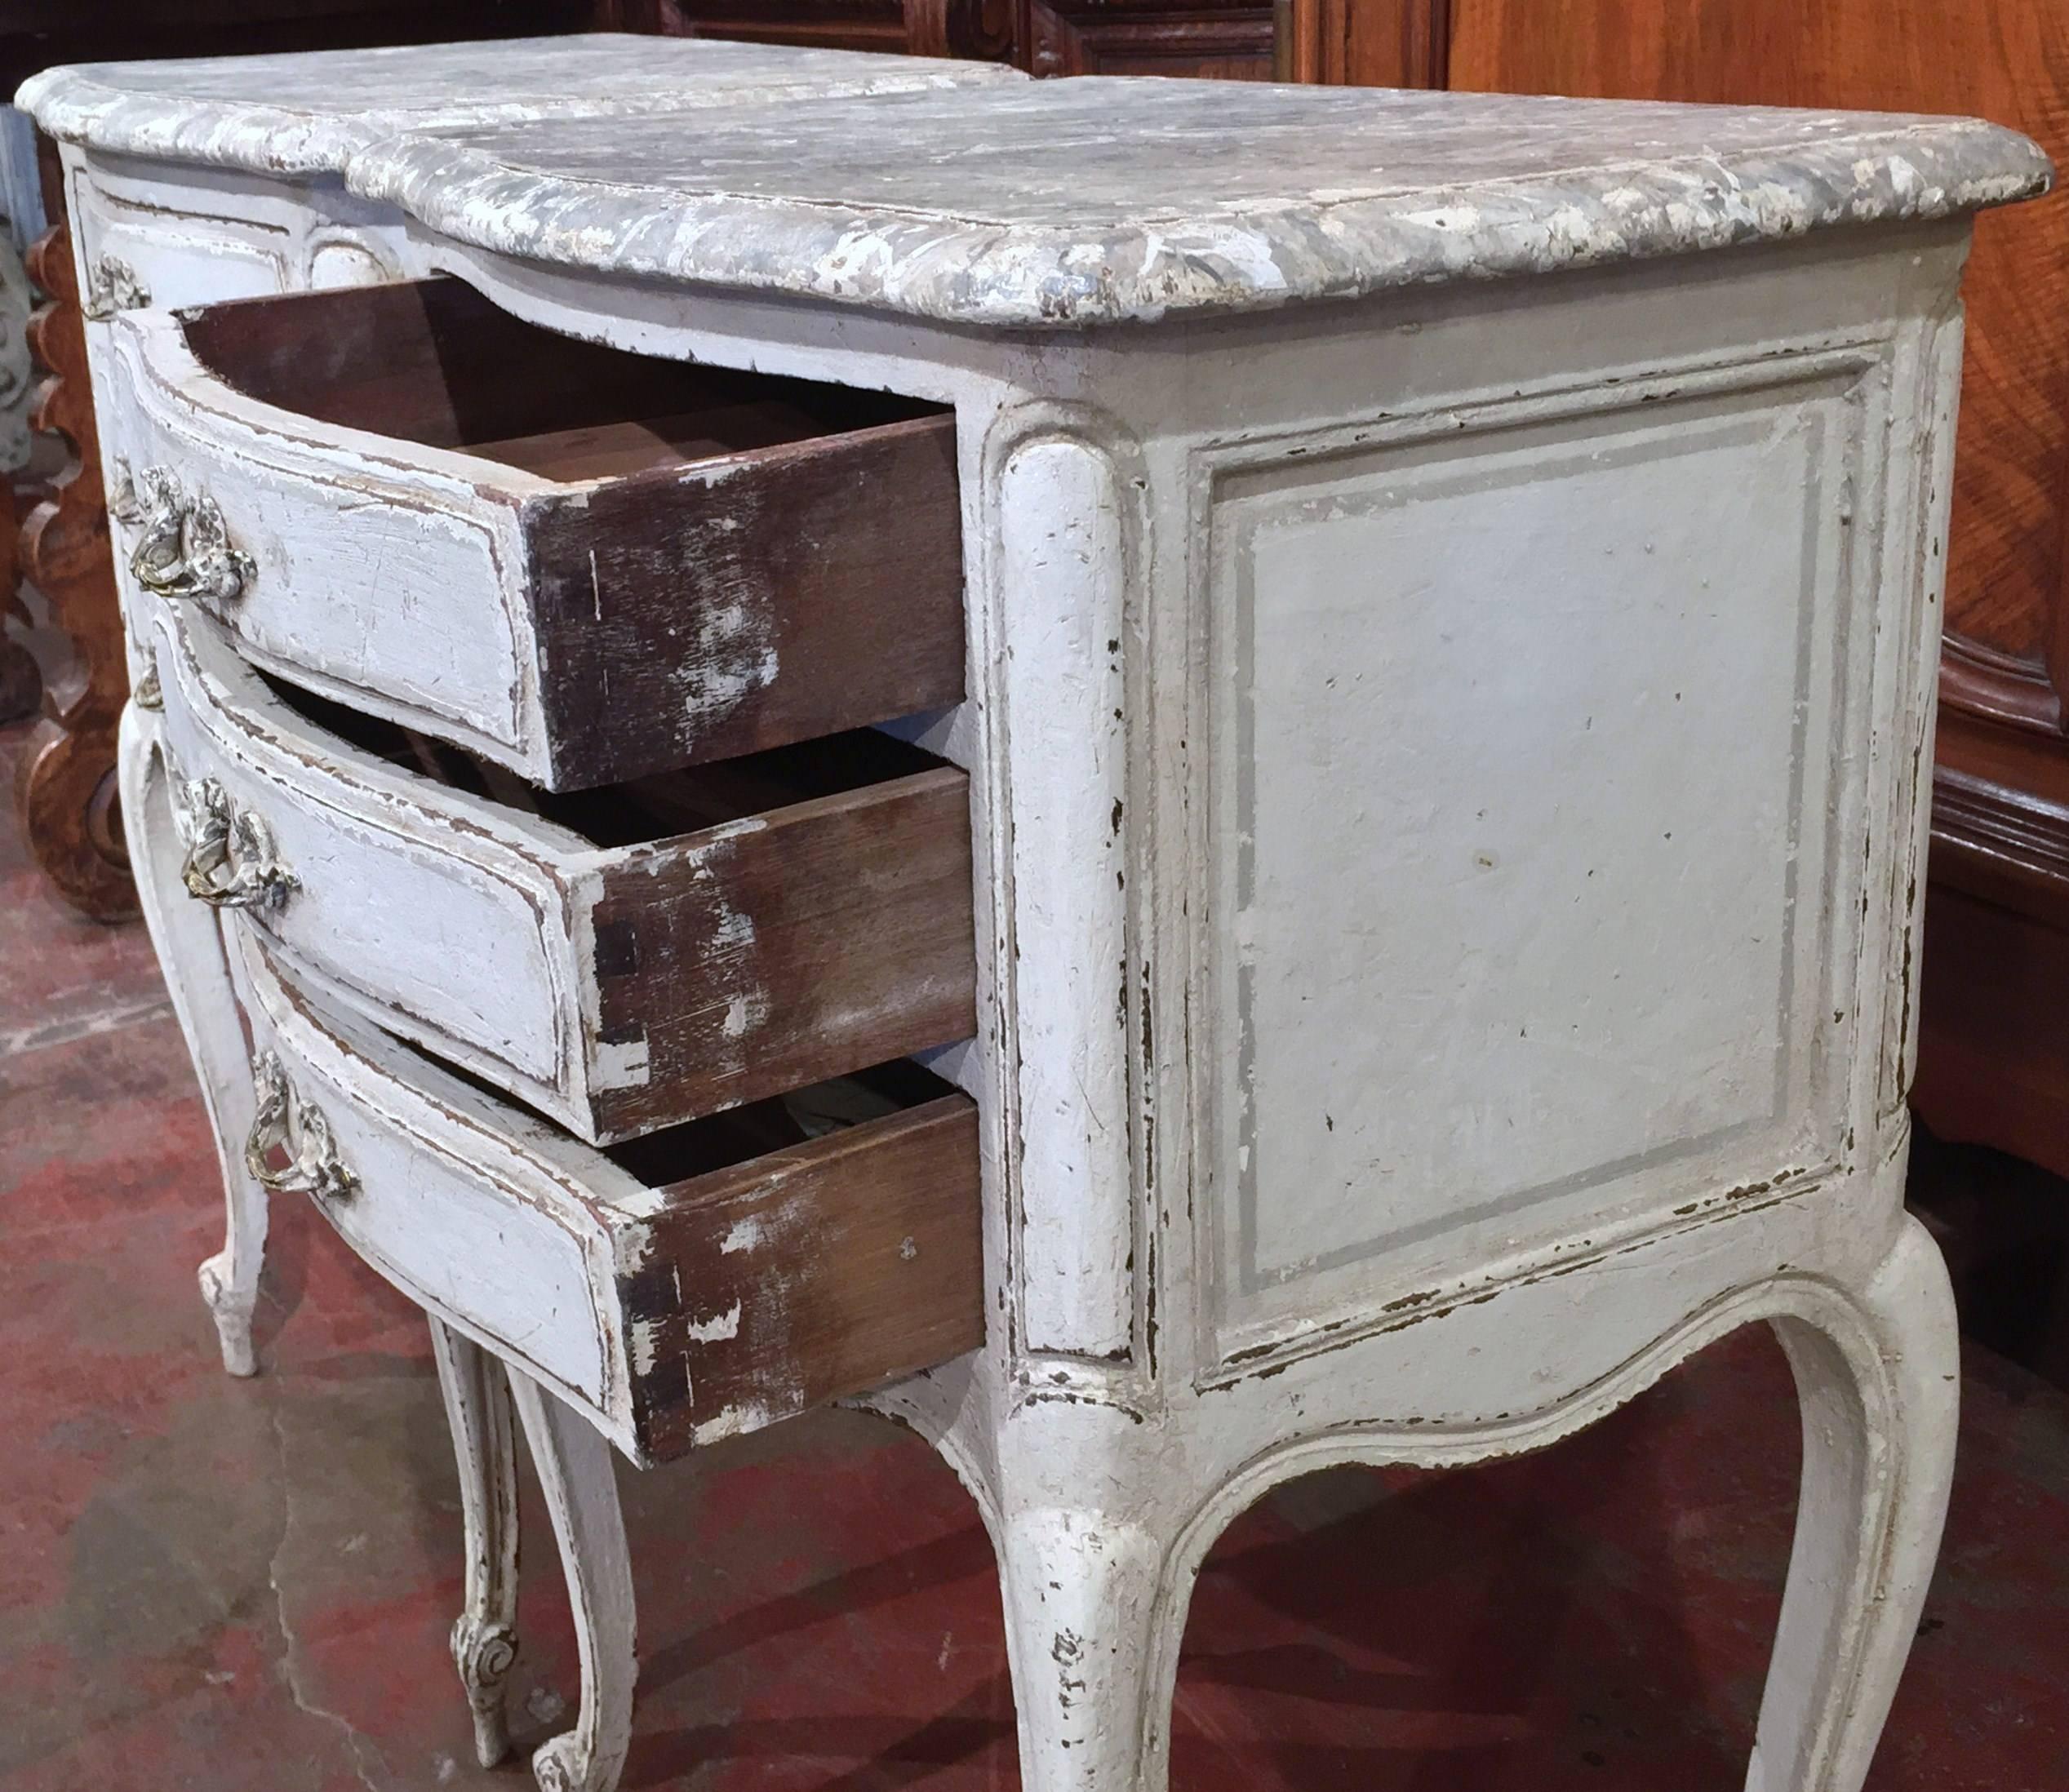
column 1224, row 40
column 2007, row 61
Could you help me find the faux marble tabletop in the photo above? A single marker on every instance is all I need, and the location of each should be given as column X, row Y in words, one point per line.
column 1103, row 200
column 304, row 114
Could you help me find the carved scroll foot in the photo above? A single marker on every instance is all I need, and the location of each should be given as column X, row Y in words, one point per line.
column 485, row 1653
column 477, row 1389
column 231, row 1311
column 576, row 1474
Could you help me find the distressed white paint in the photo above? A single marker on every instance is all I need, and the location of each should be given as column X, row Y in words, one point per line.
column 477, row 1215
column 441, row 908
column 190, row 945
column 1099, row 199
column 1064, row 572
column 1281, row 448
column 463, row 921
column 576, row 1474
column 380, row 567
column 476, row 1391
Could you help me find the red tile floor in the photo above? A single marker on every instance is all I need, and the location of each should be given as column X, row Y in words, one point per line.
column 214, row 1584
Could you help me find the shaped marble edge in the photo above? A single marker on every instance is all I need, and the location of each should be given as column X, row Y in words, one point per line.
column 304, row 114
column 1109, row 200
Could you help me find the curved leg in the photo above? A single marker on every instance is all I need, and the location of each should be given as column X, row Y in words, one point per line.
column 190, row 945
column 574, row 1471
column 1879, row 1416
column 1093, row 1673
column 477, row 1389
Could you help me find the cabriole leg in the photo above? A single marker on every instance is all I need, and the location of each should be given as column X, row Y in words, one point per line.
column 1083, row 1605
column 189, row 945
column 574, row 1471
column 477, row 1389
column 1879, row 1414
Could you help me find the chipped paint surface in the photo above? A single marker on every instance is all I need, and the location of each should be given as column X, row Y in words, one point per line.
column 743, row 1235
column 1101, row 200
column 304, row 114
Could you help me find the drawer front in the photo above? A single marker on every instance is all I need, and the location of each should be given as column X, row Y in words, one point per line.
column 457, row 936
column 585, row 565
column 388, row 589
column 137, row 253
column 618, row 990
column 674, row 1313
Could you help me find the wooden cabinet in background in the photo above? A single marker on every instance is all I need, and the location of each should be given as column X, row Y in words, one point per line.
column 1993, row 1026
column 1240, row 40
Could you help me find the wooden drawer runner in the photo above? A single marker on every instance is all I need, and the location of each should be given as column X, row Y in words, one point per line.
column 622, row 960
column 702, row 1282
column 583, row 564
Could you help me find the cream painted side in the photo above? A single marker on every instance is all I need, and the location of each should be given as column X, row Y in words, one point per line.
column 1063, row 572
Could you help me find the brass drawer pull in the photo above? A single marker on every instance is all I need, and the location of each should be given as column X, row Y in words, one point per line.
column 112, row 286
column 286, row 1123
column 183, row 546
column 231, row 861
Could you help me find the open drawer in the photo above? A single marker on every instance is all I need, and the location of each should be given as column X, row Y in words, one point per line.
column 622, row 959
column 702, row 1282
column 583, row 564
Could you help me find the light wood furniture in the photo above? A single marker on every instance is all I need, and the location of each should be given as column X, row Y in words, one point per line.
column 1448, row 595
column 1993, row 1032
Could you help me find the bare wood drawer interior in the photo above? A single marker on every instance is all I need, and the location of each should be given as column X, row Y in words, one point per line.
column 851, row 869
column 813, row 1247
column 433, row 361
column 739, row 1268
column 720, row 560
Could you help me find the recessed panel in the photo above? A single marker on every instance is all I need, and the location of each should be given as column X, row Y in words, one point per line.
column 1521, row 835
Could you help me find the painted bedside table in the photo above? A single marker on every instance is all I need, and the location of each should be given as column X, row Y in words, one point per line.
column 1349, row 672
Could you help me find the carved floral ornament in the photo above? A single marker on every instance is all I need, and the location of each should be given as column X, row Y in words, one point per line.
column 231, row 860
column 182, row 547
column 112, row 286
column 286, row 1124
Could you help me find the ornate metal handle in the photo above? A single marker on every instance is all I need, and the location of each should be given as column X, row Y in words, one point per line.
column 288, row 1124
column 112, row 285
column 183, row 545
column 231, row 860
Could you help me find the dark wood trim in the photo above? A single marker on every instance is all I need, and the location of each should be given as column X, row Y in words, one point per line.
column 837, row 935
column 2009, row 689
column 1371, row 43
column 64, row 782
column 866, row 1263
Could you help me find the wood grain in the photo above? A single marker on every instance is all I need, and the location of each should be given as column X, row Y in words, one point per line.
column 836, row 936
column 65, row 784
column 810, row 1274
column 2008, row 63
column 1993, row 1062
column 736, row 561
column 836, row 562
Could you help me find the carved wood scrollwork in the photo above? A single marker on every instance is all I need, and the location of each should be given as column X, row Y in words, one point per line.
column 2008, row 689
column 65, row 779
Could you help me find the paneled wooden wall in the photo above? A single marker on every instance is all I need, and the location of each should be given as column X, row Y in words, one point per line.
column 1994, row 1024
